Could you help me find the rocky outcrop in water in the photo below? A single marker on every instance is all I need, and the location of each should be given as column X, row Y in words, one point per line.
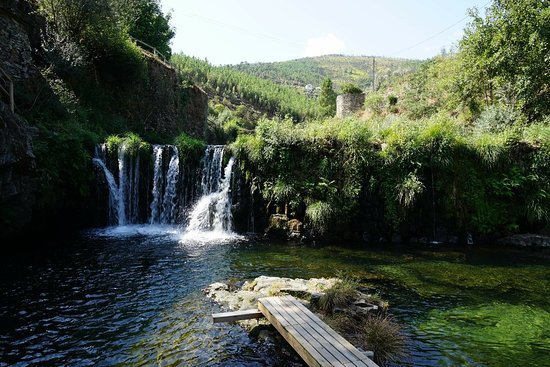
column 245, row 296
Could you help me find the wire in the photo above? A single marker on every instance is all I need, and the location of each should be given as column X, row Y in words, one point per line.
column 240, row 29
column 438, row 33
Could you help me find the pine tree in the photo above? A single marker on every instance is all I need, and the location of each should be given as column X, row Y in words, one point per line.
column 327, row 99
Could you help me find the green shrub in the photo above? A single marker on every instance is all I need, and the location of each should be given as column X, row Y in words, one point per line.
column 189, row 148
column 378, row 333
column 132, row 143
column 319, row 215
column 350, row 88
column 496, row 118
column 339, row 296
column 113, row 142
column 374, row 101
column 381, row 334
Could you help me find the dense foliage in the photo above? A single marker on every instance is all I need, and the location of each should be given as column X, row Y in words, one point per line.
column 505, row 56
column 261, row 94
column 423, row 170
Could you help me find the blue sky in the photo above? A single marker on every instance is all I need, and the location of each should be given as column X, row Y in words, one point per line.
column 229, row 32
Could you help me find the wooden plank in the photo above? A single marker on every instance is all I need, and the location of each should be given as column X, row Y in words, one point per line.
column 315, row 342
column 335, row 340
column 334, row 337
column 236, row 316
column 321, row 344
column 296, row 341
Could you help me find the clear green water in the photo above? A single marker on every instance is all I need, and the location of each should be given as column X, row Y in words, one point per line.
column 134, row 298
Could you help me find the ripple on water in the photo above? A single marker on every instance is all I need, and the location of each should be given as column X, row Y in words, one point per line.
column 131, row 296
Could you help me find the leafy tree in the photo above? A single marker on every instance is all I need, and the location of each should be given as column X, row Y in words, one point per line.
column 327, row 98
column 151, row 26
column 98, row 30
column 505, row 56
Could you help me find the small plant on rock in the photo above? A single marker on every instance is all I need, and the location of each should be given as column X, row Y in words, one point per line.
column 339, row 296
column 381, row 334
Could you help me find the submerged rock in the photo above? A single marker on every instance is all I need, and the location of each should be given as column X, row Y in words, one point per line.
column 263, row 286
column 526, row 240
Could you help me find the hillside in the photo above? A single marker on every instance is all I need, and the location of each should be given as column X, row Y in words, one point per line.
column 339, row 68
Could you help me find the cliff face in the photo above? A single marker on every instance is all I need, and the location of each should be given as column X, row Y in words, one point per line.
column 170, row 109
column 158, row 104
column 17, row 170
column 17, row 161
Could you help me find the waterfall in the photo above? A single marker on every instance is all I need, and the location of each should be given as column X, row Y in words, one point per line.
column 157, row 184
column 164, row 205
column 121, row 212
column 99, row 160
column 213, row 210
column 173, row 188
column 169, row 204
column 124, row 194
column 211, row 168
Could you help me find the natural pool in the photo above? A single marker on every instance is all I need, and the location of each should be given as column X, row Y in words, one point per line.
column 132, row 296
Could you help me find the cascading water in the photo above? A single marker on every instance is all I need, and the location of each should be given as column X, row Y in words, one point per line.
column 169, row 204
column 213, row 210
column 124, row 195
column 100, row 157
column 170, row 193
column 128, row 187
column 157, row 184
column 211, row 169
column 164, row 205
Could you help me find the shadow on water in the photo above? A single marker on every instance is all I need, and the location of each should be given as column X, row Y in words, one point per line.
column 132, row 296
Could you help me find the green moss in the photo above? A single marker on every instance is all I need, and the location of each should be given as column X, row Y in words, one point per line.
column 429, row 278
column 502, row 332
column 189, row 148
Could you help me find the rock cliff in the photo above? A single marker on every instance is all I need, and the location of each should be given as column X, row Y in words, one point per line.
column 17, row 168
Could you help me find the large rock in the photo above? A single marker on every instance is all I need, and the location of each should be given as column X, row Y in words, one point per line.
column 20, row 36
column 283, row 228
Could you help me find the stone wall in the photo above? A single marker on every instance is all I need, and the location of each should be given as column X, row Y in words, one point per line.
column 19, row 38
column 195, row 111
column 348, row 104
column 169, row 108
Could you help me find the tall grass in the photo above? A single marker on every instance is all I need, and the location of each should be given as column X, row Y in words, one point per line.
column 479, row 180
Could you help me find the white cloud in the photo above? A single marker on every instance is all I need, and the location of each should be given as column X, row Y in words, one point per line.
column 330, row 44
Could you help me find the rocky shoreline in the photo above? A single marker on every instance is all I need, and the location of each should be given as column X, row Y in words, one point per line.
column 341, row 303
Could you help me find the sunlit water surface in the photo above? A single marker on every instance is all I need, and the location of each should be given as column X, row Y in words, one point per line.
column 132, row 296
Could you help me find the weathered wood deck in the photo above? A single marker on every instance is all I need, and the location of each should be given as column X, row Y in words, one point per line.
column 315, row 341
column 236, row 316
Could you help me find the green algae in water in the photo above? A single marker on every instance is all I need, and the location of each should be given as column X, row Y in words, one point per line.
column 497, row 334
column 429, row 278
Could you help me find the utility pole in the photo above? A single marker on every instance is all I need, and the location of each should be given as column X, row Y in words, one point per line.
column 373, row 74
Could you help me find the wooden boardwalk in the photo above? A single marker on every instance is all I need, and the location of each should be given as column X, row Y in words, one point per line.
column 315, row 341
